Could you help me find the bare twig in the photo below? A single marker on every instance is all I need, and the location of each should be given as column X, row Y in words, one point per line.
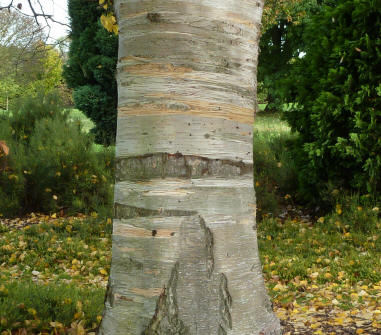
column 35, row 14
column 9, row 6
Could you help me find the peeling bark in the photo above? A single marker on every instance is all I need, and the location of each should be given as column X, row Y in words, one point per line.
column 185, row 258
column 166, row 318
column 177, row 165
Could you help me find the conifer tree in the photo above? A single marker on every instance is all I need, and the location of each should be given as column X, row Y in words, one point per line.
column 91, row 67
column 337, row 91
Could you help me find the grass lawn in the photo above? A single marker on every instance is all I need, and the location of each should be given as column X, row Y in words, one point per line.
column 323, row 273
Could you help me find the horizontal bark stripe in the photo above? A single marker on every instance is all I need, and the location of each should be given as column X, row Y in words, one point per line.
column 209, row 195
column 190, row 135
column 156, row 69
column 212, row 61
column 169, row 70
column 131, row 231
column 148, row 226
column 221, row 36
column 124, row 211
column 244, row 72
column 122, row 297
column 153, row 292
column 241, row 84
column 225, row 31
column 182, row 185
column 132, row 15
column 188, row 48
column 233, row 113
column 205, row 10
column 200, row 93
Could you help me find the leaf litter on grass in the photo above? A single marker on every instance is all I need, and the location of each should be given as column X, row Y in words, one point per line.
column 50, row 249
column 49, row 268
column 322, row 279
column 320, row 282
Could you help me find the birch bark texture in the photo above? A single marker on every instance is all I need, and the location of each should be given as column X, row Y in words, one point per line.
column 185, row 258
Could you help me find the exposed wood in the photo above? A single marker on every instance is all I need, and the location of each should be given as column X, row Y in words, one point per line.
column 177, row 165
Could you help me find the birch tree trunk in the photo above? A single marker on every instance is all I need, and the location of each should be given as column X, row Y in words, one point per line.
column 185, row 257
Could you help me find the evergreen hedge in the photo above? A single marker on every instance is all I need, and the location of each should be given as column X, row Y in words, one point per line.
column 90, row 69
column 336, row 89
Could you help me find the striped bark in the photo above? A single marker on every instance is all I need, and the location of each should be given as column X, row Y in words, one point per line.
column 185, row 257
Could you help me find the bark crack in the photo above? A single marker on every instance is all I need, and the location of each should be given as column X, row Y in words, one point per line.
column 225, row 305
column 166, row 319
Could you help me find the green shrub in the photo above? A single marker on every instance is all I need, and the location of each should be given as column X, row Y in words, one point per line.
column 12, row 180
column 65, row 171
column 336, row 87
column 53, row 164
column 29, row 109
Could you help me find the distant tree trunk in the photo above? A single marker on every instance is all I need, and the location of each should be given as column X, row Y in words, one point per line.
column 270, row 108
column 185, row 257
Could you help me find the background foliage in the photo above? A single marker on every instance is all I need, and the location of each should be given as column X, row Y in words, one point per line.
column 281, row 42
column 52, row 163
column 27, row 64
column 336, row 90
column 91, row 67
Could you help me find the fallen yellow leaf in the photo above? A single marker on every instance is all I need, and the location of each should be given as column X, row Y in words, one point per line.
column 103, row 271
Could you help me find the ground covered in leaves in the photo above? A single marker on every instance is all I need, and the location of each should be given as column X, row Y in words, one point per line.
column 53, row 274
column 322, row 277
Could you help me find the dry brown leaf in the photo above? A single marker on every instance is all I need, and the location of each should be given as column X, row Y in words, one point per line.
column 4, row 149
